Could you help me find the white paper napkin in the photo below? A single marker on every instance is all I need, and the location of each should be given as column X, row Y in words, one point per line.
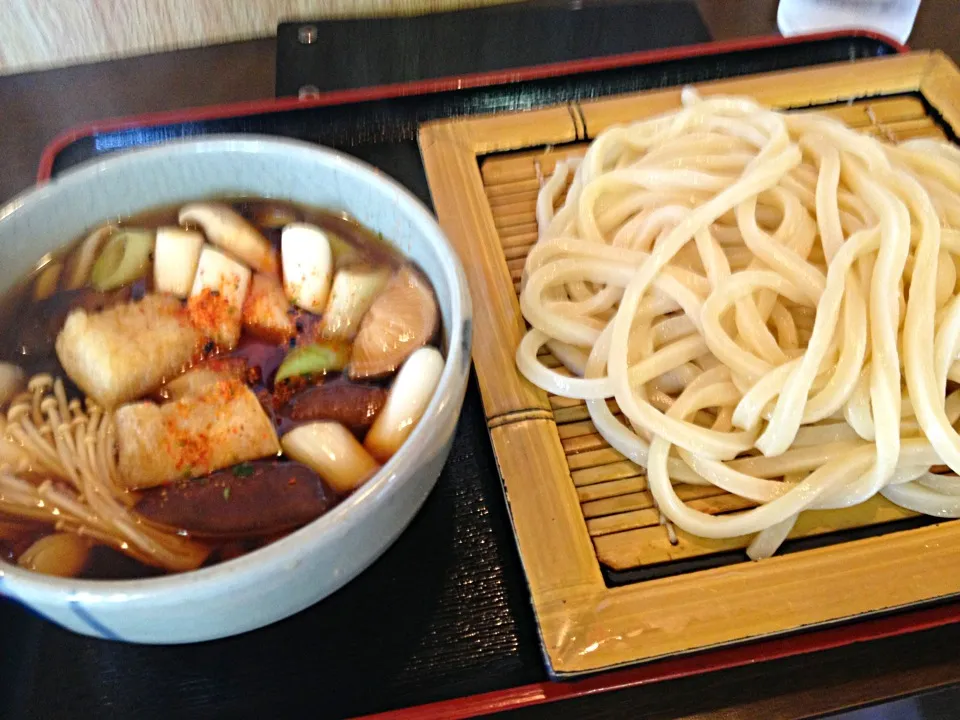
column 893, row 18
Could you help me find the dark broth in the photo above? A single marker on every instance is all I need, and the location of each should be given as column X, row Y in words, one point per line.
column 30, row 327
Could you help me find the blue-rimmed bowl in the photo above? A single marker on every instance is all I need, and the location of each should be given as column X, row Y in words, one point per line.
column 288, row 575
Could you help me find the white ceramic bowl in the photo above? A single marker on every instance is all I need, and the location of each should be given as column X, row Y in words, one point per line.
column 300, row 569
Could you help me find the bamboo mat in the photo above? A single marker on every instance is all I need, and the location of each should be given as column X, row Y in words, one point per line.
column 626, row 529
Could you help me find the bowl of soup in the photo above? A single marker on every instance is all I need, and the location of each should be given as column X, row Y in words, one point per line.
column 230, row 375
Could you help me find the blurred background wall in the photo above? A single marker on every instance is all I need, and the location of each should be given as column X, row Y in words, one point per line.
column 36, row 34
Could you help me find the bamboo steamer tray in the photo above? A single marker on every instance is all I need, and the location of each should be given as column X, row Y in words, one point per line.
column 610, row 584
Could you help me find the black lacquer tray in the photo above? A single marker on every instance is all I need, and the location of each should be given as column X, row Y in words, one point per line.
column 445, row 612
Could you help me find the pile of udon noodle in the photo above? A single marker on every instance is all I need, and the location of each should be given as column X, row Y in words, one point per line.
column 772, row 300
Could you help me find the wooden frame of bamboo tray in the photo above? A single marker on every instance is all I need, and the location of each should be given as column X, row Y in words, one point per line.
column 584, row 624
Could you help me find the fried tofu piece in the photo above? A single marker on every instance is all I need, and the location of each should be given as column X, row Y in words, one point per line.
column 221, row 425
column 126, row 351
column 266, row 310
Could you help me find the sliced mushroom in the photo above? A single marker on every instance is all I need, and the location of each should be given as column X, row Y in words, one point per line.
column 403, row 318
column 248, row 500
column 307, row 265
column 355, row 406
column 175, row 260
column 353, row 292
column 61, row 554
column 226, row 228
column 216, row 300
column 406, row 403
column 332, row 452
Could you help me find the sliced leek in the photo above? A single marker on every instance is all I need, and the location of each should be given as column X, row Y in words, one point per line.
column 124, row 258
column 408, row 399
column 307, row 265
column 331, row 451
column 316, row 358
column 353, row 292
column 175, row 260
column 82, row 261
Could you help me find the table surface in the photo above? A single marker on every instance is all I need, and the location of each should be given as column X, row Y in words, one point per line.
column 37, row 106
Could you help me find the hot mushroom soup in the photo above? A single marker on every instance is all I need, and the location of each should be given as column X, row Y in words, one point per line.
column 181, row 387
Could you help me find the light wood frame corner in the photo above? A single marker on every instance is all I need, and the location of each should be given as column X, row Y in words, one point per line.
column 586, row 625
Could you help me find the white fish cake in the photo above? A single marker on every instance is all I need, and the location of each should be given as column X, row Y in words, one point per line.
column 128, row 350
column 220, row 426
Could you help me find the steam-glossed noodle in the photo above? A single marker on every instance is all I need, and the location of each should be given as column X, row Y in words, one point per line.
column 751, row 286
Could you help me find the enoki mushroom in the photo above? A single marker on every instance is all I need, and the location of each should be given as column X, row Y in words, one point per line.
column 66, row 475
column 773, row 302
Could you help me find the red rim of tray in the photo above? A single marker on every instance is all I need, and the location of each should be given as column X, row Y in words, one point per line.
column 680, row 667
column 425, row 87
column 667, row 669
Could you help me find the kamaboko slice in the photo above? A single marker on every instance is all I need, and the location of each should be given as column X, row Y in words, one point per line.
column 402, row 319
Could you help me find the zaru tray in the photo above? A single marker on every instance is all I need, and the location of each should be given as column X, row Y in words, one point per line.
column 442, row 624
column 609, row 584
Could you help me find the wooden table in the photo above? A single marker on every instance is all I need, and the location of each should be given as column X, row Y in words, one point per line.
column 35, row 107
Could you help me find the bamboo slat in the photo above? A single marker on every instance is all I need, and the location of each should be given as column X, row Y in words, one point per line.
column 605, row 473
column 577, row 504
column 637, row 545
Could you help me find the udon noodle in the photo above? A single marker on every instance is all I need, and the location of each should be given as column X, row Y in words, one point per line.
column 772, row 300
